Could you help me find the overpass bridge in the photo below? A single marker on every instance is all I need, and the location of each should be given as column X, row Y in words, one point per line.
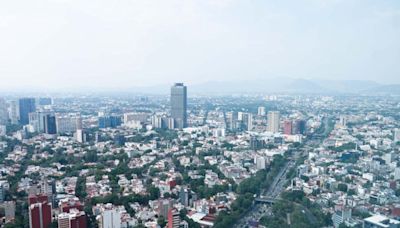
column 265, row 200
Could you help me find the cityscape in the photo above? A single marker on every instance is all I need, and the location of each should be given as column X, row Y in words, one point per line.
column 182, row 161
column 200, row 114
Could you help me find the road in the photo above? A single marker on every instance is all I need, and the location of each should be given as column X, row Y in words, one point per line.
column 257, row 211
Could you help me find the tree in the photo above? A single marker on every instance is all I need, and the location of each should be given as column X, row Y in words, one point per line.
column 342, row 187
column 161, row 221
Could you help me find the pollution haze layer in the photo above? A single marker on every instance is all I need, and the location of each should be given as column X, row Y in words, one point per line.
column 80, row 45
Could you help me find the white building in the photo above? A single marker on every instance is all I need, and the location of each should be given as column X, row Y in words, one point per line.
column 261, row 111
column 273, row 121
column 261, row 162
column 68, row 123
column 110, row 218
column 397, row 135
column 380, row 221
column 3, row 112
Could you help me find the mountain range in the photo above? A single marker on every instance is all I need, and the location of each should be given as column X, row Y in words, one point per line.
column 282, row 85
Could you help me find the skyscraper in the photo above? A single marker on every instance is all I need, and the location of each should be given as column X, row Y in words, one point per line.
column 3, row 112
column 40, row 212
column 173, row 218
column 288, row 127
column 273, row 121
column 14, row 112
column 50, row 126
column 179, row 105
column 26, row 106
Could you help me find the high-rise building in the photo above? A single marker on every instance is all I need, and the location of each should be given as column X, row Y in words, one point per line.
column 49, row 122
column 40, row 212
column 14, row 112
column 135, row 116
column 80, row 136
column 247, row 121
column 164, row 205
column 287, row 127
column 3, row 112
column 72, row 219
column 156, row 121
column 184, row 195
column 299, row 127
column 110, row 121
column 261, row 162
column 179, row 105
column 273, row 121
column 232, row 120
column 26, row 106
column 110, row 218
column 261, row 111
column 173, row 218
column 68, row 123
column 397, row 135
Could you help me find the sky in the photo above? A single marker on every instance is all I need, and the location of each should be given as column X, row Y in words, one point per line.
column 129, row 43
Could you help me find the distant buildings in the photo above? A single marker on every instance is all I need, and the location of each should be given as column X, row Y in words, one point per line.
column 287, row 127
column 45, row 101
column 299, row 127
column 179, row 105
column 3, row 112
column 273, row 121
column 261, row 111
column 110, row 121
column 68, row 123
column 26, row 106
column 50, row 126
column 397, row 135
column 14, row 112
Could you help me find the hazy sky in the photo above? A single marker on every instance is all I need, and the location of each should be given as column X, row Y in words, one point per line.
column 111, row 43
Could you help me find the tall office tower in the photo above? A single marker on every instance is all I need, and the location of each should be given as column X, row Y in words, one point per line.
column 49, row 124
column 26, row 106
column 3, row 112
column 247, row 120
column 231, row 120
column 261, row 111
column 40, row 212
column 179, row 105
column 287, row 127
column 173, row 218
column 273, row 121
column 184, row 195
column 14, row 112
column 299, row 127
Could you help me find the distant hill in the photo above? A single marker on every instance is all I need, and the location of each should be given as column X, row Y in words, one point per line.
column 279, row 85
column 383, row 90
